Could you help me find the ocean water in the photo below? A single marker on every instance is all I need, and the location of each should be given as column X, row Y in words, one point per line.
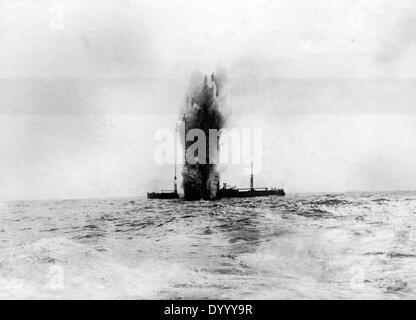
column 302, row 246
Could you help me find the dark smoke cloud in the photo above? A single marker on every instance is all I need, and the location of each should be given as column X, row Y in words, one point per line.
column 203, row 112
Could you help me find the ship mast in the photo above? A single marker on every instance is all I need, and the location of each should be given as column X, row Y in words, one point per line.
column 184, row 142
column 251, row 177
column 218, row 163
column 175, row 186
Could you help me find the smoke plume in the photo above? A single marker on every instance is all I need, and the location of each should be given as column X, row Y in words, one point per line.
column 201, row 180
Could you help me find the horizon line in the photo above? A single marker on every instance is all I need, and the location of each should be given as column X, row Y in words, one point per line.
column 144, row 195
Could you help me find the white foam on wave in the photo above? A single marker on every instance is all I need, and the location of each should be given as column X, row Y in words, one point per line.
column 273, row 248
column 59, row 268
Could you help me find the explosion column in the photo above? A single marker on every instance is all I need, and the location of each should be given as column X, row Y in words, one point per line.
column 201, row 179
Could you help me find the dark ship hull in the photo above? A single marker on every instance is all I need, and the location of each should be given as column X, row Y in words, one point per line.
column 248, row 193
column 162, row 195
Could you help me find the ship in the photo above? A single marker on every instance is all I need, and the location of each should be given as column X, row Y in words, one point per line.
column 233, row 192
column 201, row 179
column 164, row 194
column 224, row 192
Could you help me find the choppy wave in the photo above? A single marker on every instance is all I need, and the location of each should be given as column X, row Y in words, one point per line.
column 353, row 245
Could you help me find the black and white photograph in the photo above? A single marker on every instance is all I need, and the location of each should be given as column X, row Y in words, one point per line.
column 207, row 150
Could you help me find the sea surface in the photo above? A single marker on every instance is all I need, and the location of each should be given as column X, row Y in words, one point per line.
column 302, row 246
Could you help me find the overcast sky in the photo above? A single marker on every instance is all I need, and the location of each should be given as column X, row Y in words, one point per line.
column 85, row 84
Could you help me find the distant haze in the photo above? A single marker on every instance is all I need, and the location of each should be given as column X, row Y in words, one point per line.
column 84, row 85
